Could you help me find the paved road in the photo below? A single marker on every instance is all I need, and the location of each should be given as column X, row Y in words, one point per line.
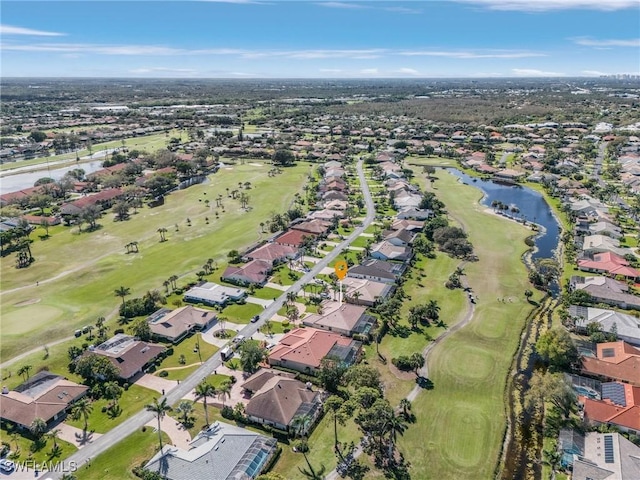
column 126, row 428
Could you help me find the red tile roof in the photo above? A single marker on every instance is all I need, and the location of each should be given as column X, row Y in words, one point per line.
column 306, row 346
column 623, row 366
column 293, row 238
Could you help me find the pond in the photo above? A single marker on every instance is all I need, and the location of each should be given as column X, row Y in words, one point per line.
column 531, row 206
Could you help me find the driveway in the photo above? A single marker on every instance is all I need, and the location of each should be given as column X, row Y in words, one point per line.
column 76, row 435
column 159, row 384
column 169, row 425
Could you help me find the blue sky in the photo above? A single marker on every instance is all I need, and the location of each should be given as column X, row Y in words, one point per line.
column 316, row 39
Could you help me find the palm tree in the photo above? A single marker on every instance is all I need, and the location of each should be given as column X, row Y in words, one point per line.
column 159, row 409
column 432, row 310
column 185, row 408
column 24, row 370
column 332, row 405
column 162, row 231
column 122, row 292
column 405, row 407
column 291, row 297
column 173, row 279
column 224, row 392
column 356, row 297
column 38, row 427
column 311, row 473
column 166, row 285
column 82, row 409
column 112, row 391
column 54, row 435
column 396, row 425
column 205, row 390
column 300, row 425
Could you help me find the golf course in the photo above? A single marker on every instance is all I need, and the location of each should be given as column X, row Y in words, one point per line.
column 461, row 421
column 76, row 272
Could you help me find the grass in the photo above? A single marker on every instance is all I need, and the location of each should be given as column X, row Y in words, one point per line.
column 188, row 348
column 469, row 369
column 78, row 273
column 321, row 448
column 117, row 462
column 283, row 275
column 433, row 161
column 132, row 401
column 45, row 453
column 362, row 241
column 237, row 313
column 266, row 293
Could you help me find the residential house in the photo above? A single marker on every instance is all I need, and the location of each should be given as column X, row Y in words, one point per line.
column 294, row 238
column 303, row 349
column 277, row 398
column 45, row 395
column 414, row 214
column 606, row 456
column 273, row 253
column 410, row 225
column 331, row 195
column 388, row 251
column 316, row 227
column 210, row 293
column 346, row 318
column 627, row 326
column 598, row 228
column 174, row 325
column 399, row 238
column 377, row 270
column 256, row 272
column 365, row 292
column 614, row 361
column 606, row 290
column 325, row 214
column 602, row 244
column 128, row 355
column 621, row 410
column 405, row 200
column 610, row 263
column 336, row 205
column 103, row 199
column 221, row 452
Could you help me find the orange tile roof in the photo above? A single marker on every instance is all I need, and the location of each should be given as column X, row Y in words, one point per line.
column 307, row 346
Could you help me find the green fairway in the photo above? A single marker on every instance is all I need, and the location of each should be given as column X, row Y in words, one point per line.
column 78, row 273
column 461, row 421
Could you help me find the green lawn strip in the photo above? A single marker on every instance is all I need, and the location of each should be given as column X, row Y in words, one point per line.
column 373, row 228
column 433, row 161
column 238, row 313
column 99, row 257
column 22, row 446
column 346, row 255
column 362, row 241
column 188, row 348
column 180, row 374
column 117, row 462
column 283, row 275
column 469, row 368
column 276, row 327
column 266, row 293
column 321, row 448
column 132, row 401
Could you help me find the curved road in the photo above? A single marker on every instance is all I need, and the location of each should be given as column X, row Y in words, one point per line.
column 126, row 428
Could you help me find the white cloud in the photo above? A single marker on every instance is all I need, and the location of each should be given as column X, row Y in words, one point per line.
column 330, row 70
column 369, row 71
column 593, row 73
column 344, row 5
column 183, row 71
column 589, row 42
column 545, row 5
column 11, row 30
column 405, row 10
column 530, row 72
column 463, row 54
column 408, row 71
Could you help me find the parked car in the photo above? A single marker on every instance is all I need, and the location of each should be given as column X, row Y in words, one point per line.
column 255, row 318
column 7, row 465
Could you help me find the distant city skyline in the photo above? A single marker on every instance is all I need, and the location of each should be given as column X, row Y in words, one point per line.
column 320, row 39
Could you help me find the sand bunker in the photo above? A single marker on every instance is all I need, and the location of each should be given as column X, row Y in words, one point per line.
column 24, row 303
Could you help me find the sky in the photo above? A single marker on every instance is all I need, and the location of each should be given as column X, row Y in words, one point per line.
column 319, row 39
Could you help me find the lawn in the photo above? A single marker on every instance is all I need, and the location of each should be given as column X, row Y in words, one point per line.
column 132, row 401
column 189, row 348
column 22, row 446
column 266, row 293
column 117, row 462
column 362, row 241
column 433, row 161
column 78, row 273
column 283, row 275
column 237, row 313
column 461, row 421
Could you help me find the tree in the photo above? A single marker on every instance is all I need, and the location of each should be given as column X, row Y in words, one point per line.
column 90, row 214
column 122, row 292
column 300, row 425
column 24, row 371
column 203, row 391
column 121, row 210
column 283, row 157
column 37, row 136
column 112, row 391
column 549, row 387
column 141, row 329
column 38, row 427
column 54, row 434
column 251, row 354
column 417, row 361
column 556, row 347
column 432, row 310
column 159, row 409
column 333, row 406
column 163, row 234
column 82, row 409
column 331, row 373
column 93, row 368
column 363, row 375
column 396, row 425
column 224, row 391
column 185, row 409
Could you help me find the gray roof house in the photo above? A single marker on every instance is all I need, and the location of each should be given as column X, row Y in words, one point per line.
column 628, row 326
column 607, row 456
column 606, row 290
column 211, row 293
column 378, row 270
column 222, row 452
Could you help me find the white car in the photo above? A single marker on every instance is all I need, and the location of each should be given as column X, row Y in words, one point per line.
column 7, row 465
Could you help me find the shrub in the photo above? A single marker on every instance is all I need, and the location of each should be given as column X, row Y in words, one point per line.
column 163, row 373
column 118, row 330
column 169, row 351
column 403, row 362
column 228, row 413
